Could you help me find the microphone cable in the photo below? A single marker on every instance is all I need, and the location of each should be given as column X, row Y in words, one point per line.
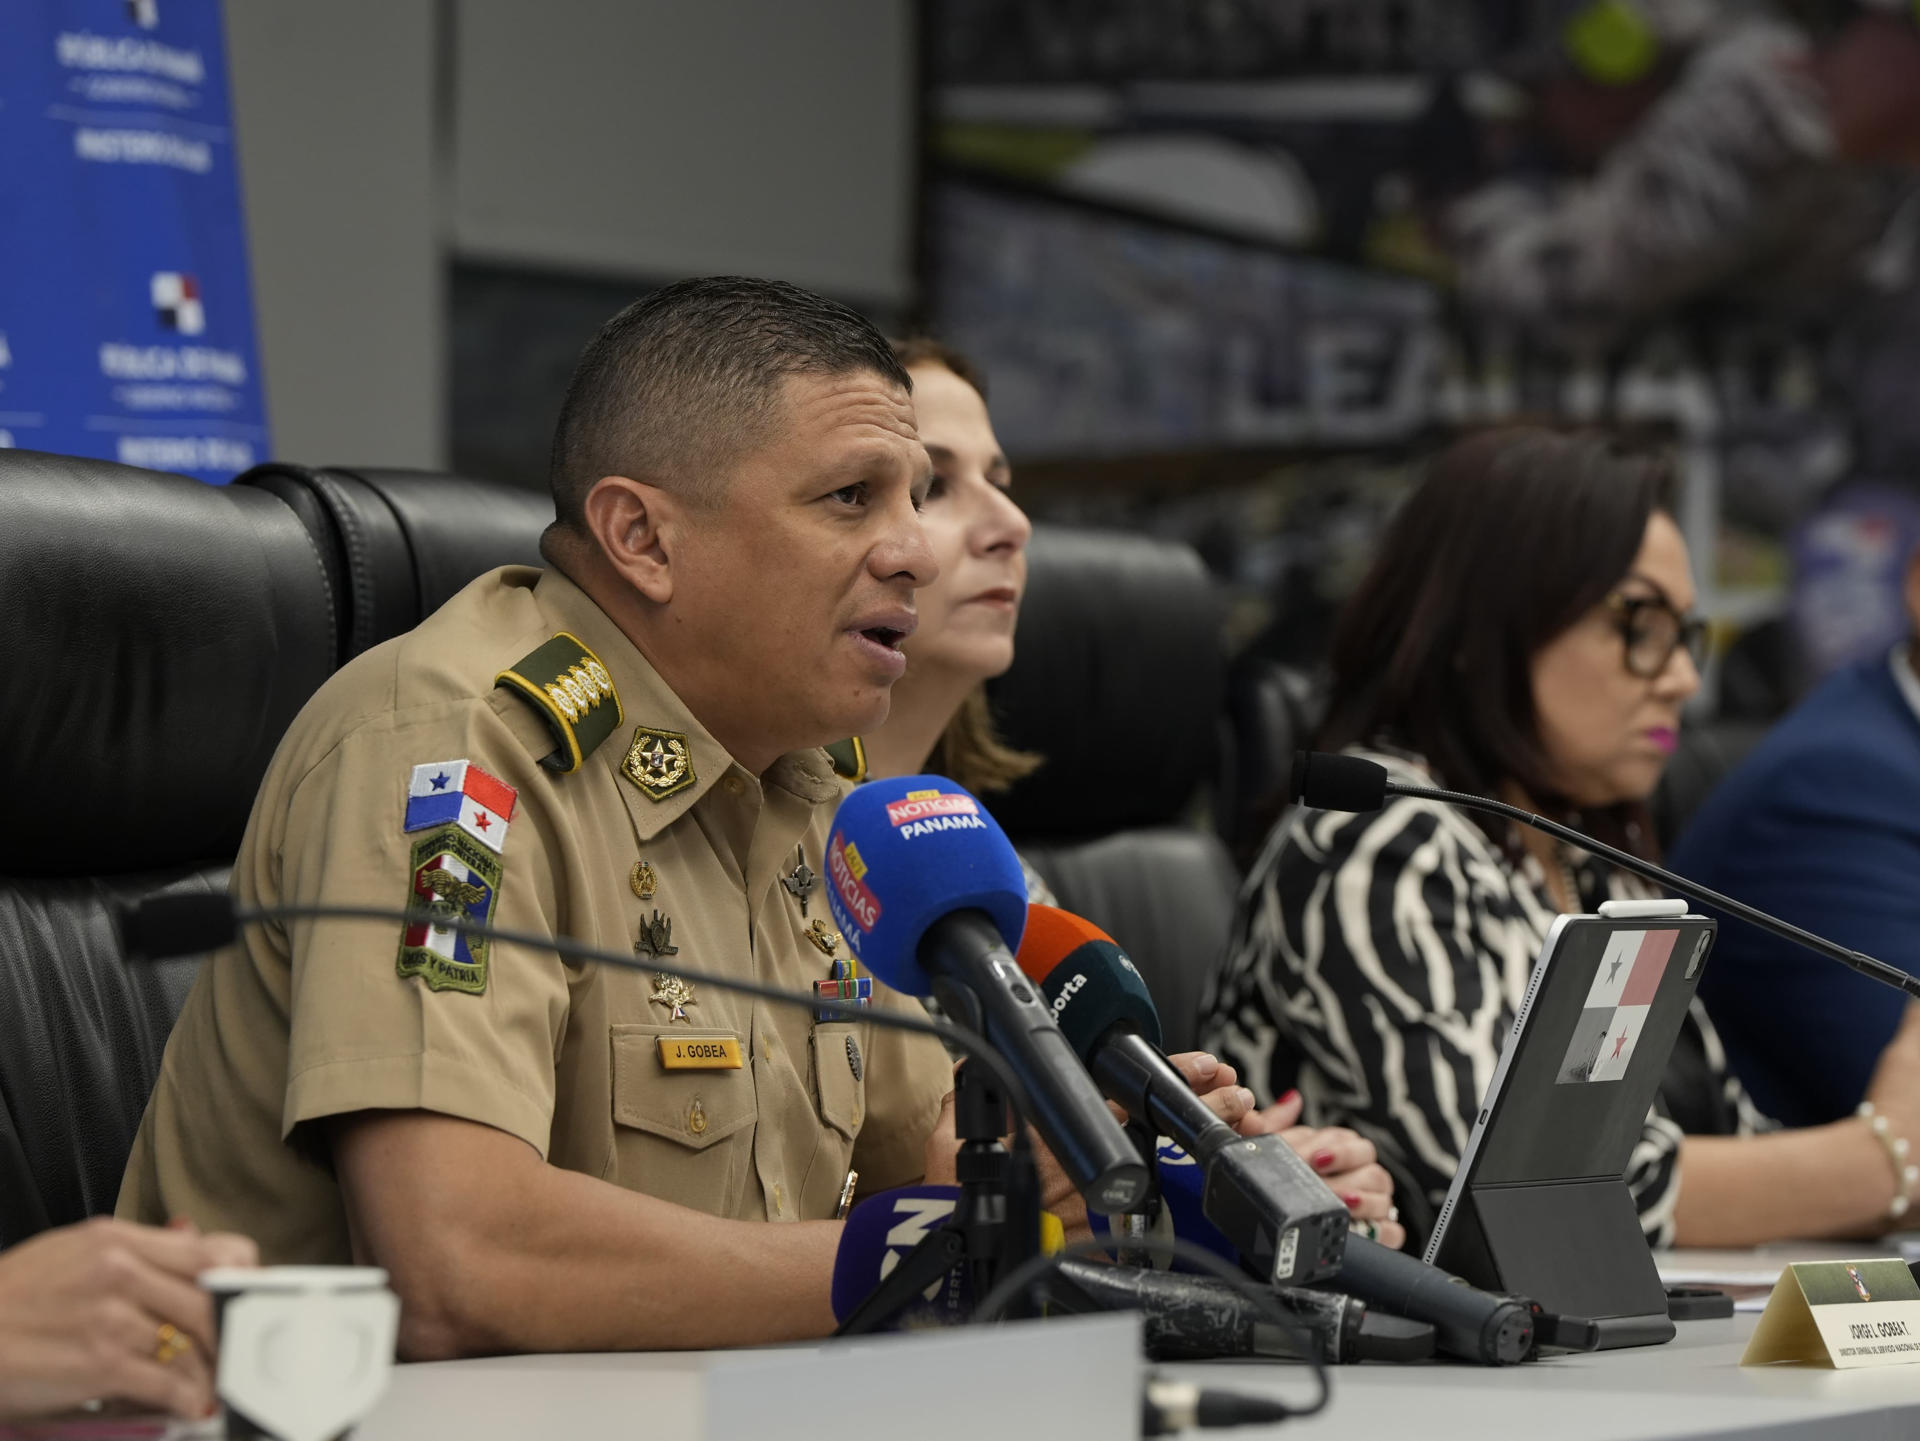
column 213, row 920
column 1169, row 1406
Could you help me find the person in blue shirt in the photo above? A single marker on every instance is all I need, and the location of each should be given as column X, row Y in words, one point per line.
column 1820, row 825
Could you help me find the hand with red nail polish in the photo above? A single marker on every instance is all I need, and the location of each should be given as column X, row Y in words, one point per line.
column 1344, row 1160
column 1347, row 1163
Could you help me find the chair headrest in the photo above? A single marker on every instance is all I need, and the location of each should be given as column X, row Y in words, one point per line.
column 160, row 636
column 458, row 528
column 399, row 543
column 1117, row 681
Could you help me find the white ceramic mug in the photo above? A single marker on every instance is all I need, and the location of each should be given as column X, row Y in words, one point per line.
column 305, row 1351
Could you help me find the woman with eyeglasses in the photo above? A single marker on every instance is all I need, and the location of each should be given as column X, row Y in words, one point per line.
column 1525, row 632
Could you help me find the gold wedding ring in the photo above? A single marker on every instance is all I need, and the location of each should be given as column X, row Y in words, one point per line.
column 170, row 1343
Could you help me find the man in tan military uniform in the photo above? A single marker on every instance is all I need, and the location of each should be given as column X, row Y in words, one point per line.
column 453, row 1109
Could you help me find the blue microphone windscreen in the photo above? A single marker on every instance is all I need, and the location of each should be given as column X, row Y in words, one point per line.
column 905, row 852
column 878, row 1235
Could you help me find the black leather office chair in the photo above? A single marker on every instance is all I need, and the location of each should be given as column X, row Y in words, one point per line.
column 1272, row 710
column 1118, row 681
column 397, row 544
column 161, row 634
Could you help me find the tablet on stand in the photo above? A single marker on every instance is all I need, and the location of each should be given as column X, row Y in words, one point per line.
column 1540, row 1204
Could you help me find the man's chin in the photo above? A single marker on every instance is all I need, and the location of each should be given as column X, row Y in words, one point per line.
column 864, row 713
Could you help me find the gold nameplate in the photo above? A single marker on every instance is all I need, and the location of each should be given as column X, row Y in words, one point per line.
column 700, row 1053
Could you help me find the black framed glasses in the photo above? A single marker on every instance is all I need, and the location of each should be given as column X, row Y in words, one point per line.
column 1653, row 630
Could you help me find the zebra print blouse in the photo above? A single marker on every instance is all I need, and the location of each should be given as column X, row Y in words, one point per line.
column 1376, row 964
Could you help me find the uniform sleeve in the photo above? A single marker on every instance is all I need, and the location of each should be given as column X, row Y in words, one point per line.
column 909, row 1075
column 385, row 1017
column 1678, row 206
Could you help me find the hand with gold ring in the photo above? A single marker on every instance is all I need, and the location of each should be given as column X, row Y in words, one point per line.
column 170, row 1343
column 110, row 1310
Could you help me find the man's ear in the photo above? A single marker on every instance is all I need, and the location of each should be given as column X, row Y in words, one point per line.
column 634, row 524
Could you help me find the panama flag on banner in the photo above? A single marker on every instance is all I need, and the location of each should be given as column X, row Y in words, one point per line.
column 460, row 793
column 126, row 307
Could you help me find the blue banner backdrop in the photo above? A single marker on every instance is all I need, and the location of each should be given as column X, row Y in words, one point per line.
column 126, row 318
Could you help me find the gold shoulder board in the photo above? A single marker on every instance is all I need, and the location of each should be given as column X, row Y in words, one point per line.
column 849, row 759
column 574, row 694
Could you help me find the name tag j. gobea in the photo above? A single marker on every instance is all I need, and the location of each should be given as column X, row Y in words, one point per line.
column 700, row 1053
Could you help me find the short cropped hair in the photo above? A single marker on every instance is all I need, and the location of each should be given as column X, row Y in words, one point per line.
column 689, row 376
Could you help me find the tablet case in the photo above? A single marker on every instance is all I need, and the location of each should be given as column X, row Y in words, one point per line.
column 1541, row 1206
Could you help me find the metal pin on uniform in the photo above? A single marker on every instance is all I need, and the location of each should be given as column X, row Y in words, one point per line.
column 643, row 880
column 656, row 937
column 799, row 883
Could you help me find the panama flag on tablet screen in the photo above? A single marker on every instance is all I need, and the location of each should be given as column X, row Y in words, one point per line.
column 1618, row 1003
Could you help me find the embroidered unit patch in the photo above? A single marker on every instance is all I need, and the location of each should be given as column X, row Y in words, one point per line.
column 453, row 876
column 460, row 793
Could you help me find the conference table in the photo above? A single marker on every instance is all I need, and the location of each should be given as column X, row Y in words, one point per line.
column 1081, row 1377
column 1692, row 1387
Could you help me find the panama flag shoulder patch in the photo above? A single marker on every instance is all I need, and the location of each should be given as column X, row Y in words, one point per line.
column 460, row 793
column 454, row 877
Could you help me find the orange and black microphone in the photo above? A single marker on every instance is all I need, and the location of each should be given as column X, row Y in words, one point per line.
column 1268, row 1203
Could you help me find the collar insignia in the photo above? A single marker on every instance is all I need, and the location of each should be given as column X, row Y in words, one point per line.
column 659, row 762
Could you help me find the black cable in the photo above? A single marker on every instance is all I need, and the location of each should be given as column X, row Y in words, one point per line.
column 975, row 1045
column 1869, row 966
column 1023, row 1278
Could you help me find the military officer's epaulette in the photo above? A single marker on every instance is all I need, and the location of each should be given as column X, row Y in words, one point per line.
column 574, row 694
column 849, row 759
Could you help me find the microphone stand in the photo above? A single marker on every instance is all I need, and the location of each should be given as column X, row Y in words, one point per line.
column 995, row 1224
column 1868, row 966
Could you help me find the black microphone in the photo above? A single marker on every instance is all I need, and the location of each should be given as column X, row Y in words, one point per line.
column 1278, row 1215
column 1198, row 1318
column 1328, row 782
column 1472, row 1324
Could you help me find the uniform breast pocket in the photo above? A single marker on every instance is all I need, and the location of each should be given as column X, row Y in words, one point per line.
column 683, row 1115
column 839, row 1077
